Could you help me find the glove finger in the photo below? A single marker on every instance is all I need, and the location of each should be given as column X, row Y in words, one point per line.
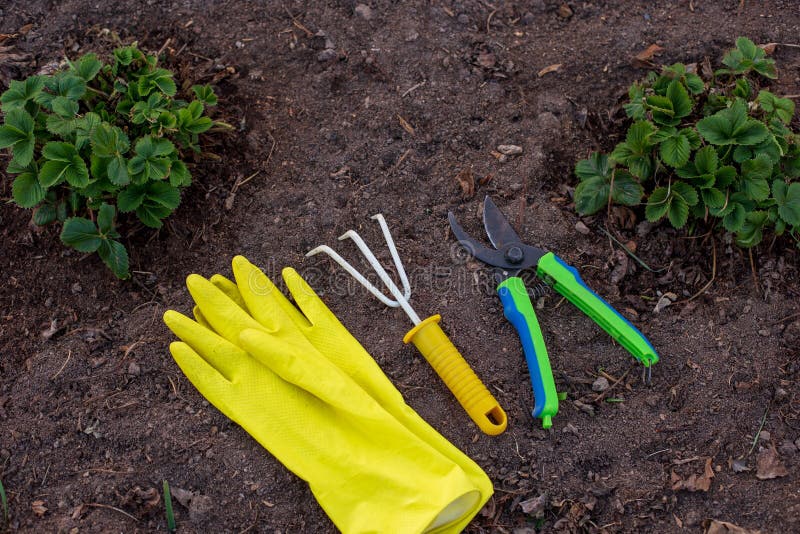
column 198, row 316
column 197, row 370
column 219, row 353
column 307, row 300
column 306, row 368
column 224, row 315
column 264, row 300
column 229, row 288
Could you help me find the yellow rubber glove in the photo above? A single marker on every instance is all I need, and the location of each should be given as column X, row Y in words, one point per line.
column 368, row 471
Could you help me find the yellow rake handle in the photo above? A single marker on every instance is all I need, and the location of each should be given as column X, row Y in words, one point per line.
column 459, row 377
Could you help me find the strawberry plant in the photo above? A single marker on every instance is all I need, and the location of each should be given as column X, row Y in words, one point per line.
column 718, row 150
column 94, row 140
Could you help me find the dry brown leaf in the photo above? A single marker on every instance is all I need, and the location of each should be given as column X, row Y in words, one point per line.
column 405, row 124
column 555, row 67
column 723, row 527
column 535, row 506
column 486, row 59
column 25, row 29
column 644, row 59
column 769, row 464
column 467, row 182
column 38, row 508
column 769, row 48
column 694, row 482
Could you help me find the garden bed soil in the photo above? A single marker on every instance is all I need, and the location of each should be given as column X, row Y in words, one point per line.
column 380, row 113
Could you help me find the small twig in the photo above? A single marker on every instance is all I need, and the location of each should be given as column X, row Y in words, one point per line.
column 753, row 270
column 760, row 428
column 69, row 354
column 631, row 254
column 413, row 87
column 792, row 316
column 617, row 381
column 489, row 20
column 713, row 271
column 164, row 46
column 109, row 507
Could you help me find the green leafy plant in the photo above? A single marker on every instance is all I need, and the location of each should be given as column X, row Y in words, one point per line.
column 718, row 150
column 96, row 139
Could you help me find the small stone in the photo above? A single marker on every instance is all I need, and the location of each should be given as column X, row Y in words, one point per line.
column 76, row 288
column 327, row 55
column 763, row 332
column 134, row 369
column 463, row 19
column 585, row 408
column 411, row 37
column 239, row 45
column 364, row 11
column 509, row 150
column 582, row 228
column 600, row 385
column 787, row 448
column 564, row 11
column 515, row 187
column 765, row 435
column 780, row 394
column 200, row 507
column 570, row 429
column 528, row 18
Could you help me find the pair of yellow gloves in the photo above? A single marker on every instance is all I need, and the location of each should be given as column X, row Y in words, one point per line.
column 305, row 389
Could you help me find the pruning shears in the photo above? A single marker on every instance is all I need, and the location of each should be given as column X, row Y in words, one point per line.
column 508, row 258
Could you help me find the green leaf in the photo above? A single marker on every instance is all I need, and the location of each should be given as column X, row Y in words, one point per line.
column 675, row 150
column 115, row 256
column 179, row 175
column 663, row 112
column 108, row 141
column 657, row 204
column 27, row 191
column 596, row 166
column 87, row 67
column 635, row 108
column 17, row 133
column 725, row 176
column 759, row 167
column 783, row 108
column 686, row 192
column 62, row 84
column 789, row 203
column 751, row 232
column 693, row 137
column 160, row 79
column 712, row 197
column 731, row 126
column 625, row 189
column 706, row 160
column 45, row 214
column 191, row 119
column 734, row 220
column 591, row 195
column 695, row 84
column 105, row 218
column 81, row 234
column 64, row 107
column 742, row 88
column 19, row 93
column 150, row 161
column 678, row 212
column 84, row 127
column 681, row 102
column 60, row 126
column 164, row 194
column 205, row 94
column 117, row 171
column 131, row 198
column 64, row 163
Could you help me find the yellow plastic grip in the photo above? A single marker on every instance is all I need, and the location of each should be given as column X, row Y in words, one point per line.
column 459, row 377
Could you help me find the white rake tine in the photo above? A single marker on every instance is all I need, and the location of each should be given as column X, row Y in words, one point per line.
column 382, row 274
column 352, row 272
column 395, row 256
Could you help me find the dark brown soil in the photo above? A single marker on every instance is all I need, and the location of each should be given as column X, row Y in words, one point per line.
column 95, row 414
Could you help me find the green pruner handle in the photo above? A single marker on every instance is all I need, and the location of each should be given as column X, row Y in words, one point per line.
column 518, row 310
column 566, row 280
